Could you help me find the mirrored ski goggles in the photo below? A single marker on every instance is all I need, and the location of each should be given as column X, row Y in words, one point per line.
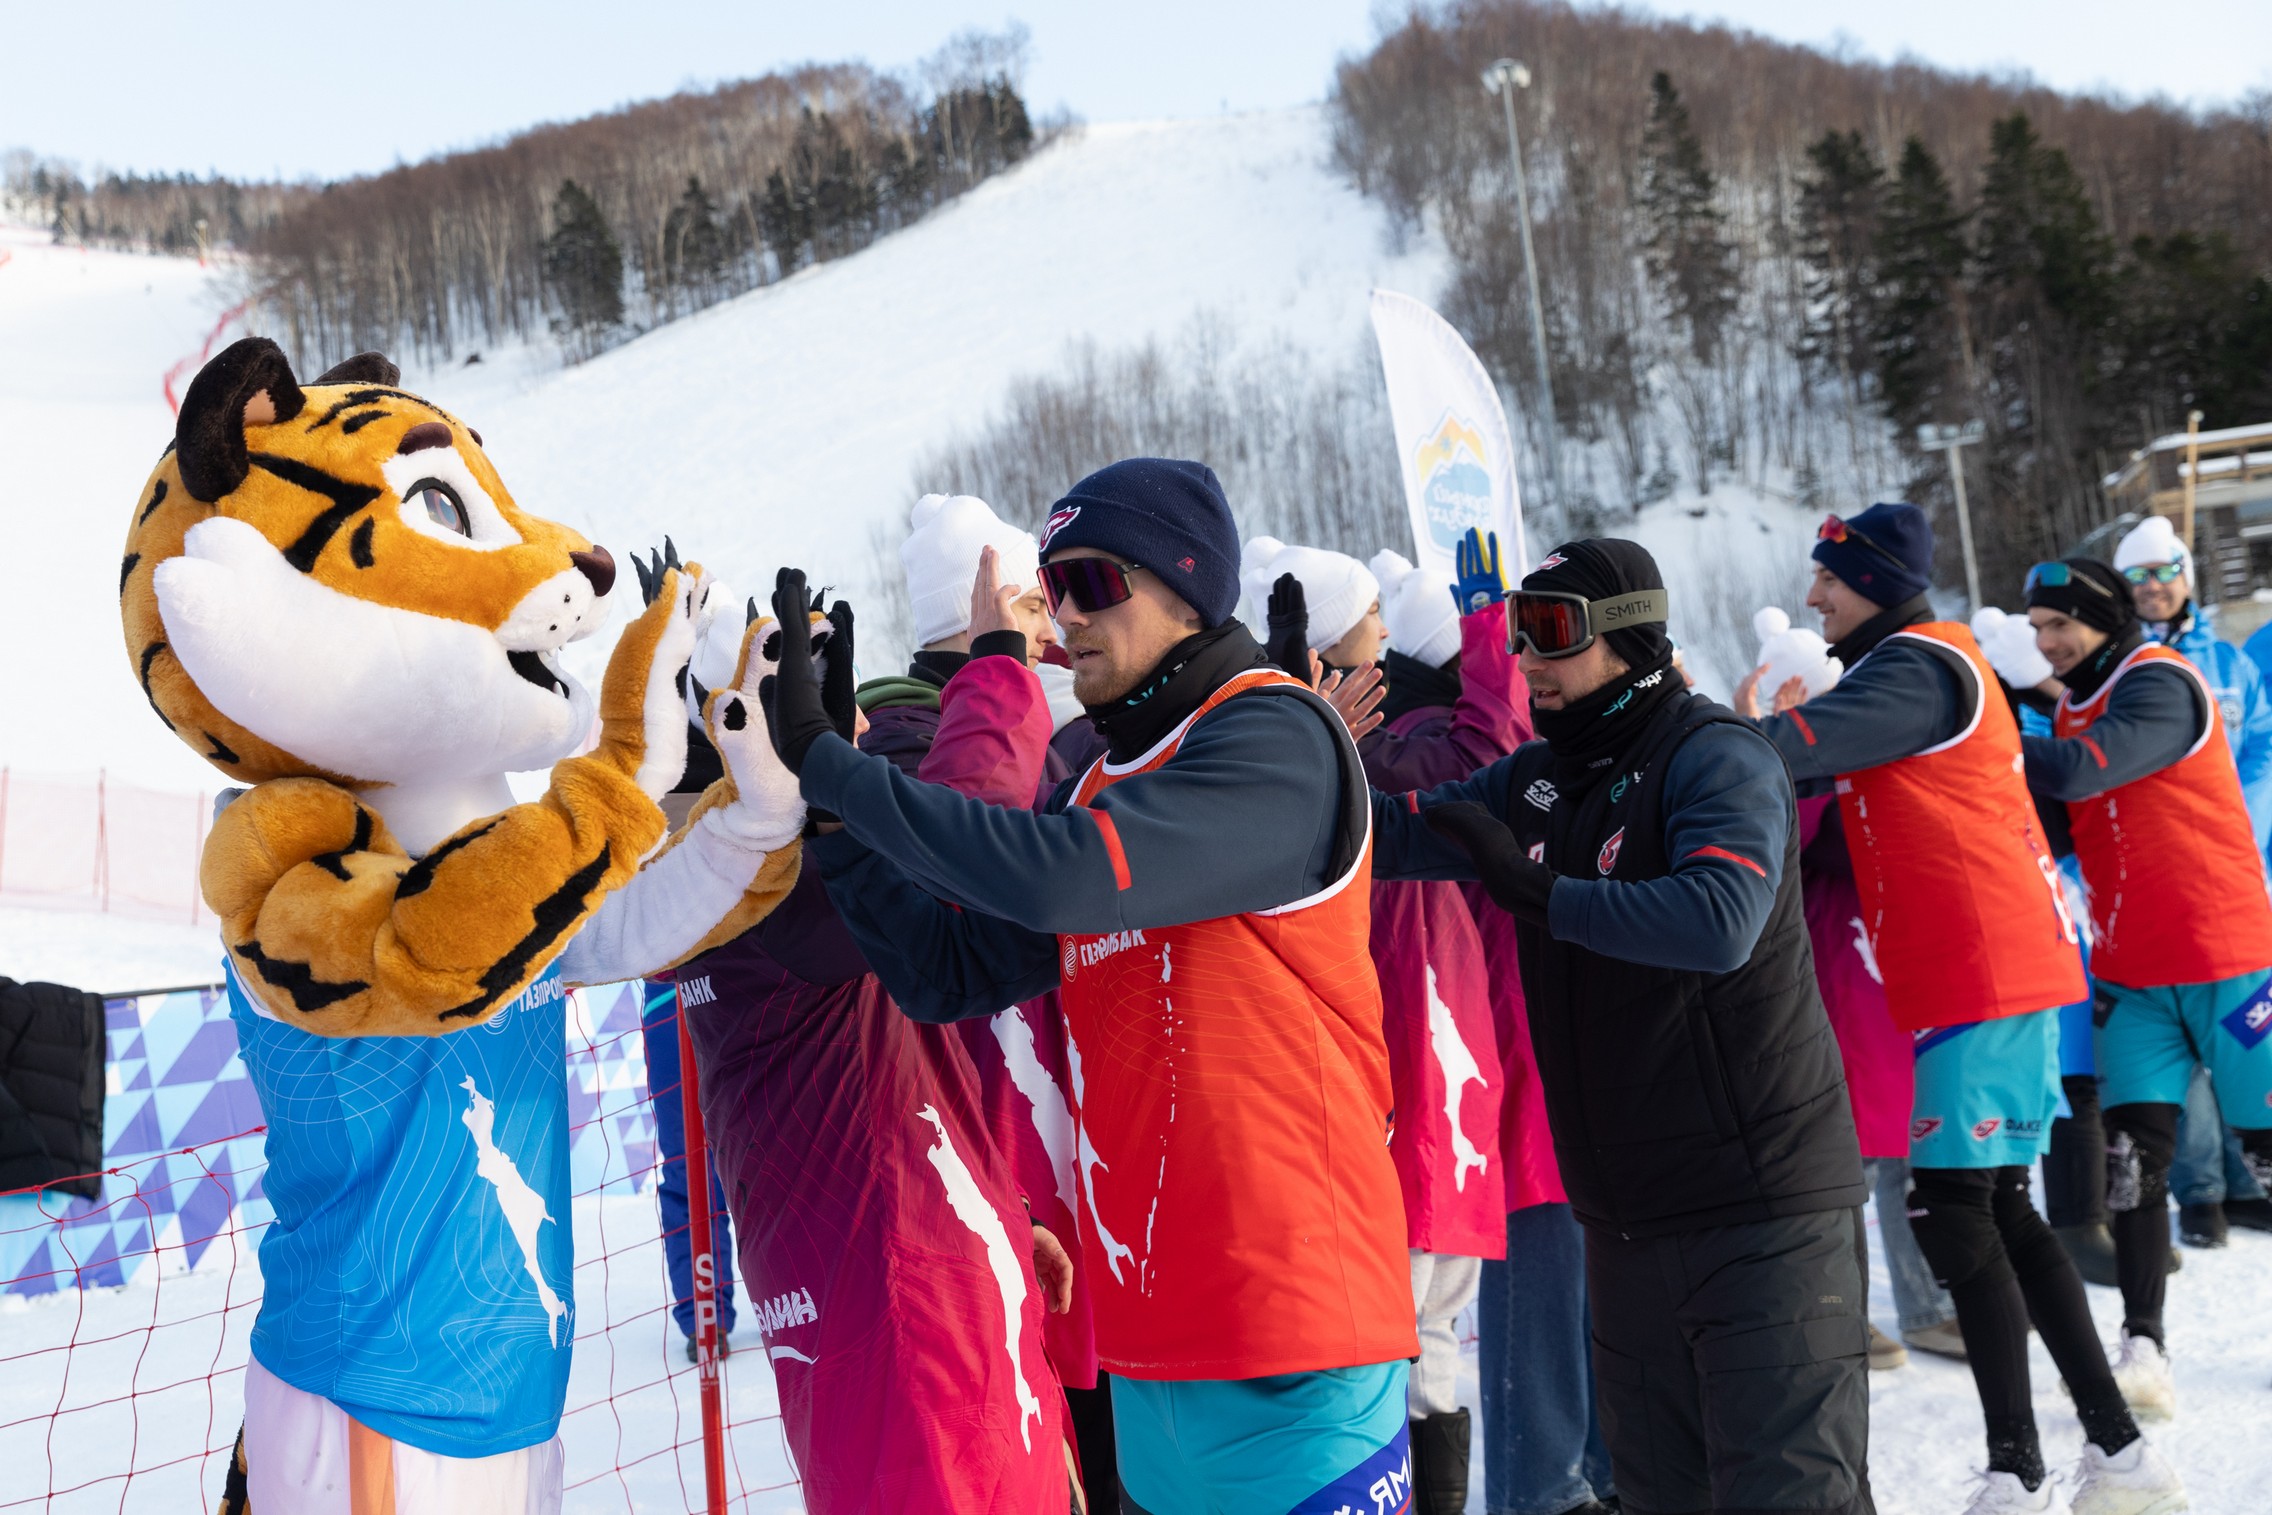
column 2060, row 575
column 1563, row 625
column 2160, row 573
column 1092, row 584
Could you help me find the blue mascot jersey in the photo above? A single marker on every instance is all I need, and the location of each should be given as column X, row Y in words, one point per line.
column 419, row 1270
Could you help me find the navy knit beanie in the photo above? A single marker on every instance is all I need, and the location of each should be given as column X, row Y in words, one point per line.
column 1893, row 562
column 1162, row 514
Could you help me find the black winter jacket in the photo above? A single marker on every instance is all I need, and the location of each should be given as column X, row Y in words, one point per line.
column 1678, row 1097
column 51, row 1087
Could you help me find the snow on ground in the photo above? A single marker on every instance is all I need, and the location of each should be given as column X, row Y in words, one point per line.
column 156, row 1379
column 109, row 954
column 152, row 1403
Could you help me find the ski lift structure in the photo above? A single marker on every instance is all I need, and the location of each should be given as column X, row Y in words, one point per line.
column 2216, row 488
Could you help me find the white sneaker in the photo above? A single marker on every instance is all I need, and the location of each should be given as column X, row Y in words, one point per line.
column 2141, row 1372
column 2137, row 1480
column 2004, row 1494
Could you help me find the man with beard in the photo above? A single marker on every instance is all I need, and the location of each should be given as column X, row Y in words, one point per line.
column 1647, row 849
column 1200, row 899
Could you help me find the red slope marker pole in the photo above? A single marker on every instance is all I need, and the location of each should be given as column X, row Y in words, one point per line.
column 702, row 1240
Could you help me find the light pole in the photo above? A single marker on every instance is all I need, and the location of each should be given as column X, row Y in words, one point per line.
column 1953, row 440
column 1503, row 78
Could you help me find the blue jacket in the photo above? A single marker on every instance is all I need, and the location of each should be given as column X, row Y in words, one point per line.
column 2245, row 702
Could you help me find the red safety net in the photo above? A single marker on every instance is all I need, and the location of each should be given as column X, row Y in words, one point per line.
column 124, row 1319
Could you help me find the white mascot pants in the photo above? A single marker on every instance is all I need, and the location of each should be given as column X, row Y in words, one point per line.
column 305, row 1456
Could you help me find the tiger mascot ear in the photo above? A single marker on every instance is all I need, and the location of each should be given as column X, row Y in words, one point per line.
column 250, row 383
column 364, row 368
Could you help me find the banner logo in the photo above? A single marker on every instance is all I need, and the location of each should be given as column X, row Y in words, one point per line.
column 1455, row 480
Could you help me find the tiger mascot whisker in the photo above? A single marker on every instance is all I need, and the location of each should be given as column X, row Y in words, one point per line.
column 328, row 593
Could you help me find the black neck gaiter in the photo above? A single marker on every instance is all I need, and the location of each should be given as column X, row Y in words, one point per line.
column 1414, row 685
column 2090, row 675
column 1589, row 735
column 1193, row 669
column 1851, row 648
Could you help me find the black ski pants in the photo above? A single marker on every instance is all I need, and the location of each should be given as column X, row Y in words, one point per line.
column 1732, row 1365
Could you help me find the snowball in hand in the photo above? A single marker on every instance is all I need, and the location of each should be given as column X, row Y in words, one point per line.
column 1792, row 654
column 2008, row 642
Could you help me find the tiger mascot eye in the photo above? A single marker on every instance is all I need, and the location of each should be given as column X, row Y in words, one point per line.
column 328, row 593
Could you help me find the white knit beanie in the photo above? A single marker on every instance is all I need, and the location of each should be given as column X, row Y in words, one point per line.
column 940, row 557
column 2153, row 540
column 1422, row 616
column 1338, row 588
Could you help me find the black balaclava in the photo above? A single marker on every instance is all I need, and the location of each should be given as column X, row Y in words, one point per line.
column 2098, row 597
column 1589, row 734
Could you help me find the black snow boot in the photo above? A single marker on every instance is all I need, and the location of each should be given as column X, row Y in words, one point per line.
column 2091, row 1245
column 2254, row 1214
column 2202, row 1225
column 1439, row 1464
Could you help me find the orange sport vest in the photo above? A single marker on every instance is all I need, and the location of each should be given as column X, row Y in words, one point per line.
column 2176, row 885
column 1239, row 1211
column 1960, row 896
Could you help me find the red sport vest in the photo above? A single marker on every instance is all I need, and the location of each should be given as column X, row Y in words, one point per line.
column 1966, row 918
column 2176, row 885
column 1240, row 1214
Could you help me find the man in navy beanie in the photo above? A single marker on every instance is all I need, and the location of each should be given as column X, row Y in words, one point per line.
column 1970, row 934
column 1201, row 900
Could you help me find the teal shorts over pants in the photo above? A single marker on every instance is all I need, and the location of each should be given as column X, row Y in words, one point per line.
column 1332, row 1442
column 1986, row 1092
column 2149, row 1039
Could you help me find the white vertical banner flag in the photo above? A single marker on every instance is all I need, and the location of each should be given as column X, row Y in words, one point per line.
column 1451, row 436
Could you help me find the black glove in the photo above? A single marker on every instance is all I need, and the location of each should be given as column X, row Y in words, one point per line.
column 1289, row 626
column 798, row 707
column 836, row 680
column 1515, row 883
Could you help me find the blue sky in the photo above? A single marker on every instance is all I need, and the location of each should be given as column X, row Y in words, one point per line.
column 332, row 90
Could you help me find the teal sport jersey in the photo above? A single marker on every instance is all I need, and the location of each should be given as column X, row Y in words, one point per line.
column 420, row 1267
column 1986, row 1092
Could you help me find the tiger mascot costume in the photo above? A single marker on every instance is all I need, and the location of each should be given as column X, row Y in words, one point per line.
column 328, row 593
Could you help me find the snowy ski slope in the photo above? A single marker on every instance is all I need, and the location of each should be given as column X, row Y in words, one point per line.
column 778, row 428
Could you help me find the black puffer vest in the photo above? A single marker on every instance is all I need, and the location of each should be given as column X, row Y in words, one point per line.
column 1678, row 1099
column 51, row 1088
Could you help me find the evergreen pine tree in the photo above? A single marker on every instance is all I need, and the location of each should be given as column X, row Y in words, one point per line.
column 583, row 265
column 696, row 242
column 1838, row 219
column 1917, row 331
column 1689, row 253
column 784, row 219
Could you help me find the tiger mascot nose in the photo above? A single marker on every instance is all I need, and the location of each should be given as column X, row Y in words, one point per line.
column 598, row 566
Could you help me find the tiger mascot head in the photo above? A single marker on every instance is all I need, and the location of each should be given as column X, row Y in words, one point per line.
column 331, row 581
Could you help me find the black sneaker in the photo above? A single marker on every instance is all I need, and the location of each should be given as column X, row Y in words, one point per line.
column 2202, row 1225
column 2250, row 1214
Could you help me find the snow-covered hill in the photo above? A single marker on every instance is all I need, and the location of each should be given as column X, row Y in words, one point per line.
column 772, row 429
